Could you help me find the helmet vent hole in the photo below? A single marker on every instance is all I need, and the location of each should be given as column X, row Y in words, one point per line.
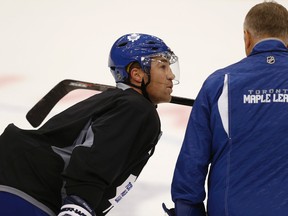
column 122, row 44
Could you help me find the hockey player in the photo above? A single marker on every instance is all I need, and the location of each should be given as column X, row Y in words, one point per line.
column 238, row 126
column 95, row 149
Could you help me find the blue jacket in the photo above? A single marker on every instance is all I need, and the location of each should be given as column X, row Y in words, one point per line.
column 238, row 127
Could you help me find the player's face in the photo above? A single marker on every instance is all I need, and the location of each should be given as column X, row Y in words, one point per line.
column 160, row 86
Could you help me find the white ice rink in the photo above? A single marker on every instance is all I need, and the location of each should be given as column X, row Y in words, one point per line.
column 45, row 41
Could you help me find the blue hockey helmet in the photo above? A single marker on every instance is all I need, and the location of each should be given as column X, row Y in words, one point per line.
column 139, row 48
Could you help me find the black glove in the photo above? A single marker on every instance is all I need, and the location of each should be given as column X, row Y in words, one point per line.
column 169, row 212
column 74, row 205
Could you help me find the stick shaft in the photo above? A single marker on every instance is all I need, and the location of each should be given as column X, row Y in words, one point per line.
column 41, row 109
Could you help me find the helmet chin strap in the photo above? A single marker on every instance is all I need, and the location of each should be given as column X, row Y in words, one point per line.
column 143, row 87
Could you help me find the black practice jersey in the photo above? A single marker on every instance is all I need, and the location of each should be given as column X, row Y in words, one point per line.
column 92, row 148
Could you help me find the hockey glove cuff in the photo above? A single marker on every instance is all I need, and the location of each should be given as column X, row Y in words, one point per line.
column 75, row 206
column 169, row 212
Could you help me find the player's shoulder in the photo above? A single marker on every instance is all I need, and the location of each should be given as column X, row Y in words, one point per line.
column 135, row 99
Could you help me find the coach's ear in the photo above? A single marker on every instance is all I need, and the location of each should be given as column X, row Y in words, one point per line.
column 248, row 40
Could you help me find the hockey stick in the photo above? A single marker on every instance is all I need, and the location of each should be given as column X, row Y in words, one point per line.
column 41, row 109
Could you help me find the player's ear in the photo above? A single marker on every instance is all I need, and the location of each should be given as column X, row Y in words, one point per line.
column 136, row 74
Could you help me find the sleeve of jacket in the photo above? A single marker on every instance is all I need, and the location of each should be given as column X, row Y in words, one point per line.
column 188, row 185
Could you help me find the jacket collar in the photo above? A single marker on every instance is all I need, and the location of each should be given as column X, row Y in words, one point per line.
column 269, row 45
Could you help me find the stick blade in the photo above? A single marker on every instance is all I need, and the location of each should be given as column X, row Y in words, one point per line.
column 41, row 109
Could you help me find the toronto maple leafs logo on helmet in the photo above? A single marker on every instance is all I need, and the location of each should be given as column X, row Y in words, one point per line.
column 133, row 37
